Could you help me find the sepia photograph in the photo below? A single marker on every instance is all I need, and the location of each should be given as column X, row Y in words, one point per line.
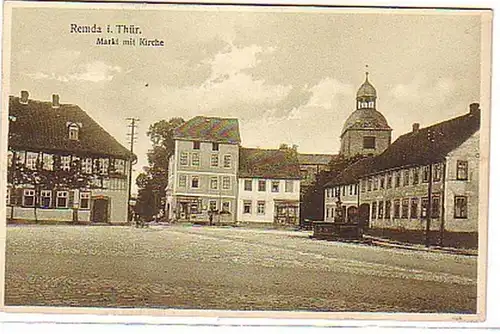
column 280, row 161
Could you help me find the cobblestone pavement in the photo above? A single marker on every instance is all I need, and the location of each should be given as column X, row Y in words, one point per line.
column 227, row 268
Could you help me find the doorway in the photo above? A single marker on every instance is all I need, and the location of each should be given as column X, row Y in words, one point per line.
column 100, row 210
column 364, row 215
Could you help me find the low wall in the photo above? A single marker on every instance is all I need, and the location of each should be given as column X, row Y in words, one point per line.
column 465, row 240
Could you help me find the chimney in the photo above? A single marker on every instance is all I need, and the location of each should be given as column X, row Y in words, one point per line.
column 474, row 108
column 24, row 97
column 55, row 101
column 416, row 126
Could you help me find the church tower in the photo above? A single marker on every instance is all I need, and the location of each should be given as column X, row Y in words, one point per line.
column 365, row 131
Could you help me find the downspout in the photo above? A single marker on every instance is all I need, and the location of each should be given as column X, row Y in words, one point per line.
column 443, row 206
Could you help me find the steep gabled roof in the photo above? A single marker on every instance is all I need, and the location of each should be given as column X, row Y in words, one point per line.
column 269, row 164
column 428, row 145
column 40, row 127
column 213, row 129
column 315, row 159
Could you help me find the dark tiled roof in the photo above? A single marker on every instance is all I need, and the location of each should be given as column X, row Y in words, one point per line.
column 416, row 148
column 315, row 159
column 366, row 118
column 213, row 129
column 38, row 126
column 270, row 164
column 352, row 172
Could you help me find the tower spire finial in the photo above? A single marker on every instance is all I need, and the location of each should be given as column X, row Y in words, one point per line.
column 366, row 72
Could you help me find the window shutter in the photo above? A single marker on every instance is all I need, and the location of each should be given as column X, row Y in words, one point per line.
column 16, row 197
column 71, row 198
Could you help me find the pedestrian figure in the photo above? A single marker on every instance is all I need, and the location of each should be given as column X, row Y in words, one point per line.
column 210, row 218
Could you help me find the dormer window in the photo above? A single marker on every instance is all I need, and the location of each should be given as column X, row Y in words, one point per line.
column 73, row 131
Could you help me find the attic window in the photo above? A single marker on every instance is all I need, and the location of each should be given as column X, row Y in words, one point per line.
column 73, row 130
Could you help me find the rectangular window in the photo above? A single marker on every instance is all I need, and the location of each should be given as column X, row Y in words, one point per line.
column 226, row 207
column 397, row 179
column 86, row 165
column 103, row 166
column 62, row 199
column 84, row 200
column 424, row 206
column 460, row 207
column 120, row 166
column 275, row 186
column 387, row 213
column 214, row 160
column 416, row 173
column 436, row 207
column 414, row 208
column 374, row 210
column 405, row 208
column 369, row 184
column 389, row 180
column 369, row 142
column 380, row 210
column 289, row 186
column 196, row 145
column 397, row 208
column 327, row 213
column 462, row 170
column 215, row 146
column 343, row 190
column 406, row 177
column 247, row 207
column 184, row 161
column 8, row 196
column 45, row 198
column 29, row 197
column 66, row 162
column 248, row 185
column 425, row 174
column 437, row 170
column 195, row 182
column 382, row 182
column 261, row 207
column 212, row 205
column 214, row 183
column 182, row 181
column 31, row 160
column 48, row 161
column 226, row 182
column 375, row 183
column 262, row 185
column 195, row 159
column 363, row 185
column 227, row 161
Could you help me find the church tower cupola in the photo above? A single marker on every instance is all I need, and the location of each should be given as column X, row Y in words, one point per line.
column 366, row 131
column 366, row 95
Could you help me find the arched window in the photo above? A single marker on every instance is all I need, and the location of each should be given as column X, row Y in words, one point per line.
column 73, row 130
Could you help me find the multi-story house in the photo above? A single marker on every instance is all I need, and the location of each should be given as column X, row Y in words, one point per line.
column 63, row 166
column 203, row 171
column 430, row 173
column 268, row 186
column 343, row 193
column 435, row 167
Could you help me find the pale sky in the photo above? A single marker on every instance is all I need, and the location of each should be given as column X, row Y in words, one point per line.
column 289, row 77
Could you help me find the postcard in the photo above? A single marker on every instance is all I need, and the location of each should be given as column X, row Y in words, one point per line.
column 278, row 161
